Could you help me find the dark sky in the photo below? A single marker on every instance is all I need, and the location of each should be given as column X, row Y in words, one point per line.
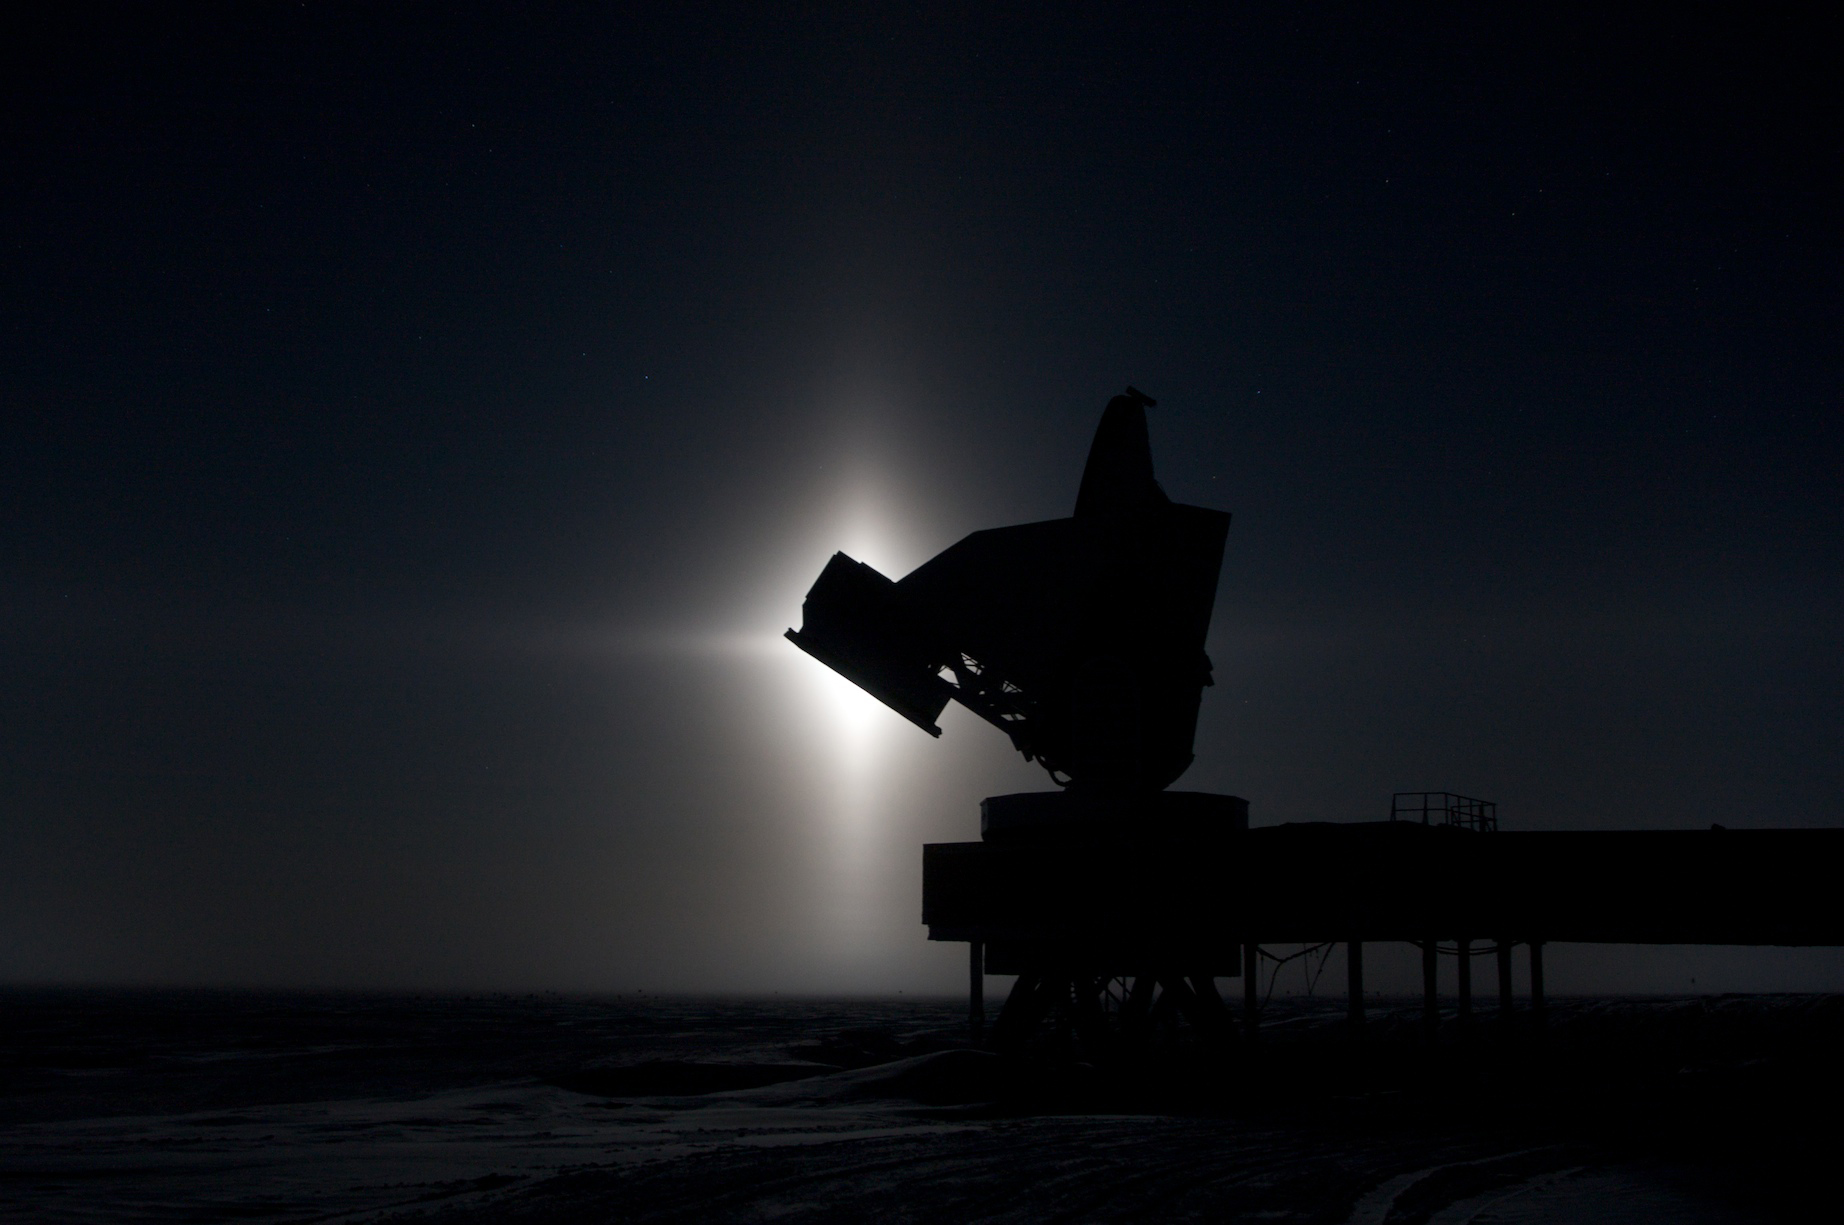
column 419, row 426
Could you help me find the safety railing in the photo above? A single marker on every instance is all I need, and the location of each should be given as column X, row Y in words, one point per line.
column 1444, row 808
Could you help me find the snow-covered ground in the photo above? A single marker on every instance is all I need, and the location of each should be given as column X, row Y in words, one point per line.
column 218, row 1107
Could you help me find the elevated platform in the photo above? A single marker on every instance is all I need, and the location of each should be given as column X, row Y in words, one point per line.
column 1119, row 904
column 1133, row 913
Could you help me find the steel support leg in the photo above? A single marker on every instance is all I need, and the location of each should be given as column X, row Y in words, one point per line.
column 1213, row 1018
column 1504, row 979
column 1354, row 984
column 1537, row 1011
column 1464, row 983
column 1023, row 1009
column 1430, row 982
column 1251, row 990
column 1136, row 1010
column 976, row 990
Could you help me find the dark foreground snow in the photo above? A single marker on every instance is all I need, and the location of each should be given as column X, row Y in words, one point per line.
column 219, row 1107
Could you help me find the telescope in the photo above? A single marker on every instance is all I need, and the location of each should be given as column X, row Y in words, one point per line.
column 1118, row 903
column 1082, row 639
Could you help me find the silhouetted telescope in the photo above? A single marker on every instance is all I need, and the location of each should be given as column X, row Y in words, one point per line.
column 1118, row 904
column 1081, row 638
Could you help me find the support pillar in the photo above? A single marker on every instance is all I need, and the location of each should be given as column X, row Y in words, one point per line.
column 1430, row 1003
column 1251, row 989
column 1354, row 984
column 1504, row 980
column 1023, row 1009
column 1136, row 1011
column 1464, row 983
column 1537, row 1012
column 1212, row 1017
column 976, row 990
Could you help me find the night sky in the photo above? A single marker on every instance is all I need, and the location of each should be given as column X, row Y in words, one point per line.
column 420, row 426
